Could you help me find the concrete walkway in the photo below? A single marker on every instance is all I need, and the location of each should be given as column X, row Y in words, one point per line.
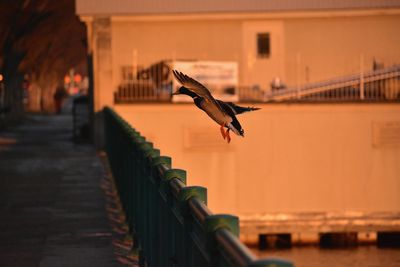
column 52, row 209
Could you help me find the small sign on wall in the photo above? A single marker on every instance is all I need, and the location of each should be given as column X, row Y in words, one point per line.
column 204, row 139
column 220, row 77
column 386, row 134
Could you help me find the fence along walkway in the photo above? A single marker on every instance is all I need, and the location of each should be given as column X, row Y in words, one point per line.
column 169, row 221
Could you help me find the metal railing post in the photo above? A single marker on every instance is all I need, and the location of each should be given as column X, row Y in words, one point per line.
column 362, row 77
column 186, row 253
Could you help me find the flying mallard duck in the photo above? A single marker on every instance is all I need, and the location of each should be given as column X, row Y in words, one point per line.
column 221, row 112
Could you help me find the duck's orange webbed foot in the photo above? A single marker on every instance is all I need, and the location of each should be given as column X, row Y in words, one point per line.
column 223, row 131
column 228, row 138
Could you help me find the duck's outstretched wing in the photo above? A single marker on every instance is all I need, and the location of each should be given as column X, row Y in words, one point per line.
column 233, row 109
column 193, row 85
column 197, row 88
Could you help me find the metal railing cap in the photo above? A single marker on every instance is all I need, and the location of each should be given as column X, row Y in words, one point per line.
column 217, row 221
column 187, row 193
column 139, row 139
column 162, row 160
column 175, row 173
column 193, row 191
column 152, row 153
column 146, row 146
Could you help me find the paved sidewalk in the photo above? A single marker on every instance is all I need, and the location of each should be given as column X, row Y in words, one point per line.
column 52, row 209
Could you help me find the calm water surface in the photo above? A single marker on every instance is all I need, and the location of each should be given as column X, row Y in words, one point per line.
column 365, row 256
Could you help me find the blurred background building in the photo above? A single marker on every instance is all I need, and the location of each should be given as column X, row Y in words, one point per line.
column 295, row 42
column 337, row 164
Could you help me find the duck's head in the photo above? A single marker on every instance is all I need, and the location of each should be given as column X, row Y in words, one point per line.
column 184, row 91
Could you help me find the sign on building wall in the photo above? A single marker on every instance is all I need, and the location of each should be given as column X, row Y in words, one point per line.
column 220, row 77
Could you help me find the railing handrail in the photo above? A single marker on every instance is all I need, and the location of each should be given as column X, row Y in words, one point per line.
column 218, row 234
column 376, row 83
column 338, row 82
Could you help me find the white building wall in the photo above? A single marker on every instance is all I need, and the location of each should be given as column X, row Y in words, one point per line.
column 293, row 158
column 182, row 40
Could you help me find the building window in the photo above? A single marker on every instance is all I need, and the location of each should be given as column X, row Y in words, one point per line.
column 263, row 45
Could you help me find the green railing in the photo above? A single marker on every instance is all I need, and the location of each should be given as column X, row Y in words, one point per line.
column 169, row 221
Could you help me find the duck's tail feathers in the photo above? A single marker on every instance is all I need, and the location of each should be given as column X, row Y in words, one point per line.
column 252, row 108
column 240, row 110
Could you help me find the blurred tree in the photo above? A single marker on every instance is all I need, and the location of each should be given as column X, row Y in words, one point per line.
column 42, row 38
